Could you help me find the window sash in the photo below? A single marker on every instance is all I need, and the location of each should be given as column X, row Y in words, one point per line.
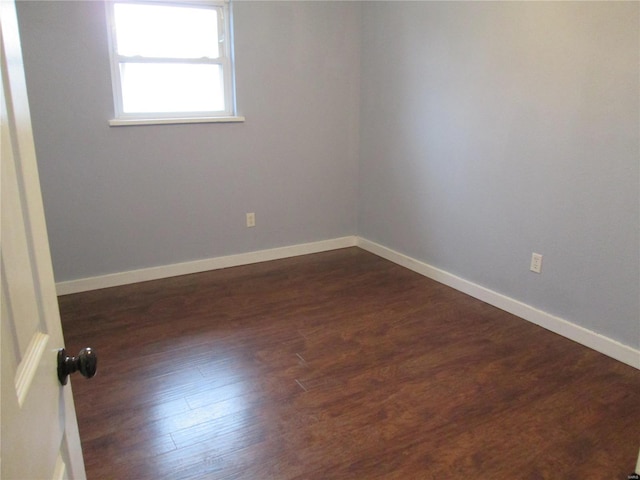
column 204, row 61
column 223, row 60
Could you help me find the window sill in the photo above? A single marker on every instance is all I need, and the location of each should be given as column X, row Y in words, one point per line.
column 124, row 122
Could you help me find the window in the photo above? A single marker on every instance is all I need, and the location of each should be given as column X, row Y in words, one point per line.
column 171, row 62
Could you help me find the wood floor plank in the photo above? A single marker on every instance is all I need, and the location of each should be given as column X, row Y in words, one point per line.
column 338, row 365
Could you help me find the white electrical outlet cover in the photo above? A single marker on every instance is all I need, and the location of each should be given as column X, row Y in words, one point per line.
column 536, row 263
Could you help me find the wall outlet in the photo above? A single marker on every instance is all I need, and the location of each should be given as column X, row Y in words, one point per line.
column 251, row 219
column 536, row 263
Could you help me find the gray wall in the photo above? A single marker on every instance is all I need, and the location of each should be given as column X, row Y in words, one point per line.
column 466, row 135
column 493, row 130
column 123, row 198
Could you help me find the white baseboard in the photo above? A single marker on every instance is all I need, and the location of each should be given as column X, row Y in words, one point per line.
column 197, row 266
column 588, row 338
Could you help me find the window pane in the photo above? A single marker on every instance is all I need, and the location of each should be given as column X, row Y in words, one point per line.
column 166, row 31
column 161, row 87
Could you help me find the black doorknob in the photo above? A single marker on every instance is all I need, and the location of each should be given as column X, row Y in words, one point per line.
column 86, row 363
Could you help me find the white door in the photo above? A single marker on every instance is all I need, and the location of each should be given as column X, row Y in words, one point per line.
column 39, row 437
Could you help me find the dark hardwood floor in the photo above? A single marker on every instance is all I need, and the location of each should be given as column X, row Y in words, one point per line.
column 338, row 365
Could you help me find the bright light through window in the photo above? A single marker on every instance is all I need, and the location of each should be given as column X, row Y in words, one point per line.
column 166, row 31
column 195, row 88
column 171, row 60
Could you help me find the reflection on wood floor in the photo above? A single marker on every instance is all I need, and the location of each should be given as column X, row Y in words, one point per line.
column 333, row 366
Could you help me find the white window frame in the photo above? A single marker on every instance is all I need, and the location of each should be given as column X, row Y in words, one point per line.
column 225, row 60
